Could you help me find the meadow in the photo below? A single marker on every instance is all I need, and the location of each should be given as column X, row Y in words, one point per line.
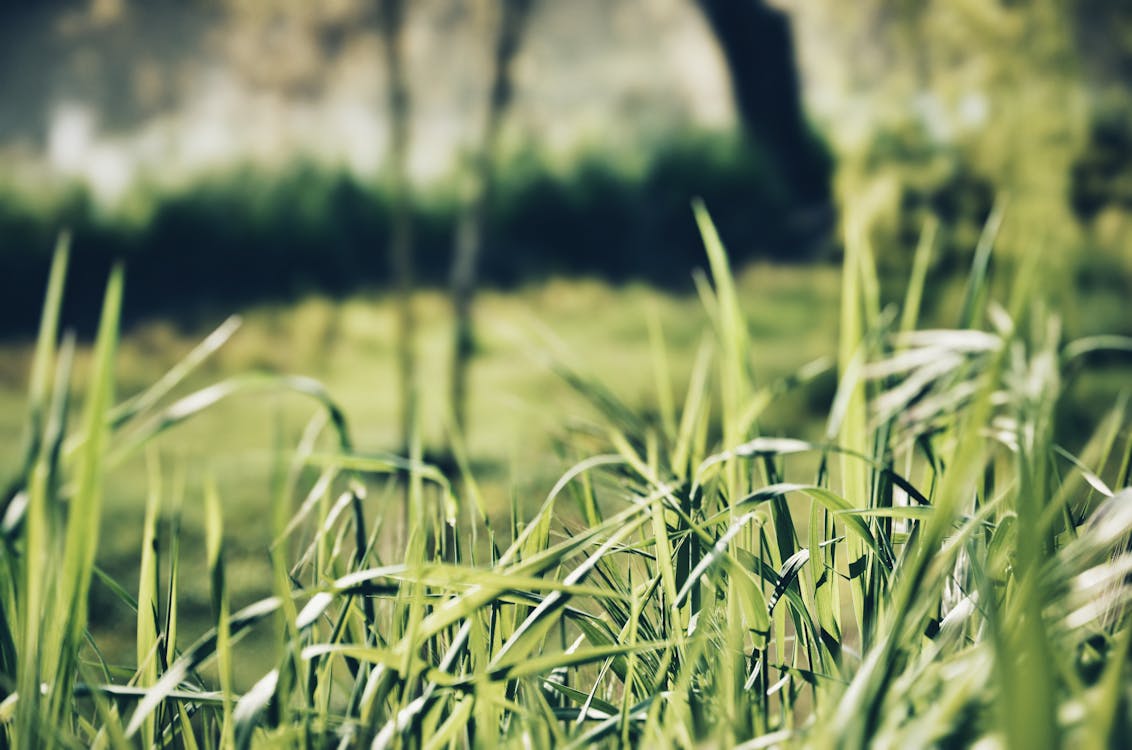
column 736, row 542
column 523, row 413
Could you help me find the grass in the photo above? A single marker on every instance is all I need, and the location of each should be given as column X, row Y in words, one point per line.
column 523, row 413
column 929, row 568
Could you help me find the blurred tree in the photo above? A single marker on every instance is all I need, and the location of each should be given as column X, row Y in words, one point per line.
column 1038, row 112
column 401, row 234
column 986, row 92
column 758, row 46
column 1103, row 30
column 512, row 20
column 1102, row 174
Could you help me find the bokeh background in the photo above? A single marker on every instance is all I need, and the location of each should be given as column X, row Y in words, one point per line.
column 423, row 202
column 236, row 151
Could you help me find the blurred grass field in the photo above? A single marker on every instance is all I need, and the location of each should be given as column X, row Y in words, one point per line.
column 522, row 413
column 521, row 410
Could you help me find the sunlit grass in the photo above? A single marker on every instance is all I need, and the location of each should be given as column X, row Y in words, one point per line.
column 926, row 567
column 521, row 409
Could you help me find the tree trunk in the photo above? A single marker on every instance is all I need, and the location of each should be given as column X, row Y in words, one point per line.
column 401, row 228
column 758, row 46
column 473, row 218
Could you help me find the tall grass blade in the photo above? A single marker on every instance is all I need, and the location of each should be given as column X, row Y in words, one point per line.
column 64, row 630
column 43, row 360
column 975, row 293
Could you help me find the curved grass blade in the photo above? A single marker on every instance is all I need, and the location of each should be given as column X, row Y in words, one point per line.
column 151, row 396
column 193, row 404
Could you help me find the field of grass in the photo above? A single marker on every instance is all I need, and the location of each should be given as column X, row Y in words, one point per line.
column 739, row 551
column 522, row 412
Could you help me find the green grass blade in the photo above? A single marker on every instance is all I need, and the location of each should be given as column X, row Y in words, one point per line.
column 81, row 542
column 918, row 278
column 151, row 396
column 214, row 544
column 147, row 602
column 975, row 293
column 39, row 384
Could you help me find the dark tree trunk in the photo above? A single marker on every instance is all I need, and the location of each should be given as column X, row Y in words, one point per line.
column 758, row 46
